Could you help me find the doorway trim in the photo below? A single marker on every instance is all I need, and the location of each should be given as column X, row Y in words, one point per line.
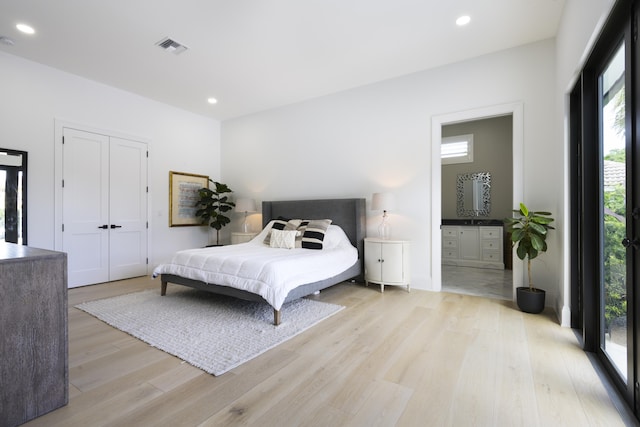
column 516, row 110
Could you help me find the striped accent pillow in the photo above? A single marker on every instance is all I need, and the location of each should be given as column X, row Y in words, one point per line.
column 281, row 224
column 313, row 232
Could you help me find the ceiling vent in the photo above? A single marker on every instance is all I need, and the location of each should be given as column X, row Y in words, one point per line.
column 171, row 46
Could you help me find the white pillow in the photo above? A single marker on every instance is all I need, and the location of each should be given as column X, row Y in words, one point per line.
column 334, row 237
column 283, row 239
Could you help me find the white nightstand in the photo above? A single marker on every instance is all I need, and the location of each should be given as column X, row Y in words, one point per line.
column 238, row 237
column 386, row 262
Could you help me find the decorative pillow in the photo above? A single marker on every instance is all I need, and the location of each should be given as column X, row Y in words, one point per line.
column 334, row 237
column 283, row 239
column 313, row 232
column 281, row 224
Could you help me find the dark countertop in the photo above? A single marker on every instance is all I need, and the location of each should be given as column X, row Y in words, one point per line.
column 473, row 221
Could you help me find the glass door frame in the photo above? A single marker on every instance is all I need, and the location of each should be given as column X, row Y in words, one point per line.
column 586, row 204
column 622, row 367
column 18, row 175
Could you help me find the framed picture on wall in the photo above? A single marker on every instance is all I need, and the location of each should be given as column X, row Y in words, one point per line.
column 183, row 196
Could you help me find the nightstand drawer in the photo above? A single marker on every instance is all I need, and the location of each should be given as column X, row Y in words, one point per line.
column 237, row 237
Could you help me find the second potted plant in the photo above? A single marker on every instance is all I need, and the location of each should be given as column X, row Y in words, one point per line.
column 212, row 205
column 529, row 236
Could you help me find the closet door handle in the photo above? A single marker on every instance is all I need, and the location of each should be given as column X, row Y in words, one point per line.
column 104, row 227
column 115, row 226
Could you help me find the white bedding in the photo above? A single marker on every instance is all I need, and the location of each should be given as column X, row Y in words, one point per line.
column 257, row 268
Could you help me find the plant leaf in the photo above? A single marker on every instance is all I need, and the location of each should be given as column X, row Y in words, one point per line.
column 537, row 229
column 541, row 220
column 521, row 251
column 537, row 242
column 523, row 210
column 517, row 235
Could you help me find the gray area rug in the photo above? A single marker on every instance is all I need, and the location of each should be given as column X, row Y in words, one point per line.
column 215, row 333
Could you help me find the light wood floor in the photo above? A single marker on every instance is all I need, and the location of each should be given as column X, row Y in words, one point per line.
column 482, row 282
column 392, row 359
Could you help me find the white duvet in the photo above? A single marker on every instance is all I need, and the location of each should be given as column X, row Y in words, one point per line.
column 257, row 268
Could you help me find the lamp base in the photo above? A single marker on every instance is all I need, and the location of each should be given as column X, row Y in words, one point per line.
column 384, row 230
column 245, row 225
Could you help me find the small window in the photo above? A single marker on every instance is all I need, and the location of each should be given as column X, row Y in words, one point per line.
column 457, row 149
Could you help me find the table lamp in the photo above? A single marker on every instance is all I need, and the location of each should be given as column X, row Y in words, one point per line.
column 245, row 205
column 383, row 202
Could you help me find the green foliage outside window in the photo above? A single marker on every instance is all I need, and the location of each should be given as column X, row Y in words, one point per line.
column 614, row 257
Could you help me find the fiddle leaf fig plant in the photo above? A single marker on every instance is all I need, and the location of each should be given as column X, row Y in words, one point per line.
column 213, row 204
column 529, row 231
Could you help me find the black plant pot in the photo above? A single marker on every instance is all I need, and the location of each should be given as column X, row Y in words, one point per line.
column 530, row 301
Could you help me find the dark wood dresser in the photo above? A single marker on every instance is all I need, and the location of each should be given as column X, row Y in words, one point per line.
column 34, row 373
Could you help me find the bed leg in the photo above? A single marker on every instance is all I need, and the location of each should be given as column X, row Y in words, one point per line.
column 276, row 317
column 163, row 288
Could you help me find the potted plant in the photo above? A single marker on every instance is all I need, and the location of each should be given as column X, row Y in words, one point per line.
column 213, row 204
column 529, row 235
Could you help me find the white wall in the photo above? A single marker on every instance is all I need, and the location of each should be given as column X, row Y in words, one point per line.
column 493, row 153
column 34, row 96
column 378, row 138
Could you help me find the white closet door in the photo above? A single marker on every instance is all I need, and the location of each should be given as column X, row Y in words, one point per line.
column 128, row 209
column 85, row 212
column 104, row 212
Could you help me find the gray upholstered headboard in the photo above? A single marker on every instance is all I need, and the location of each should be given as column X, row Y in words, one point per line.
column 349, row 214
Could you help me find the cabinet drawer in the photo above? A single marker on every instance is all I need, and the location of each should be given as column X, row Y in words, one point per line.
column 450, row 232
column 491, row 232
column 449, row 243
column 491, row 244
column 491, row 255
column 450, row 253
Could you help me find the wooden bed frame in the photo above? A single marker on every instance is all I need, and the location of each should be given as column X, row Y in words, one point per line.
column 349, row 214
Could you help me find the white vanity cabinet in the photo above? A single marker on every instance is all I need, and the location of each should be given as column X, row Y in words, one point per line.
column 386, row 262
column 472, row 246
column 469, row 247
column 491, row 246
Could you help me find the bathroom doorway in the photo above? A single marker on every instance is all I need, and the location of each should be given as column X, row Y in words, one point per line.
column 465, row 279
column 476, row 256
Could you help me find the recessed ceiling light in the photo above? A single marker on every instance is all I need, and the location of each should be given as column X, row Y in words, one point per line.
column 463, row 20
column 212, row 100
column 27, row 29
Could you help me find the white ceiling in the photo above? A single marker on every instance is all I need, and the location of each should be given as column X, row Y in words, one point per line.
column 254, row 55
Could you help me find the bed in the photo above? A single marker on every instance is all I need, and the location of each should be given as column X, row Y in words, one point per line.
column 347, row 222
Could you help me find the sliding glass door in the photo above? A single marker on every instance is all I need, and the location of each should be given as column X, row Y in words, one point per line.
column 605, row 197
column 612, row 216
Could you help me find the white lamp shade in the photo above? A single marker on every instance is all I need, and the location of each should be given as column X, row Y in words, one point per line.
column 382, row 202
column 245, row 205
